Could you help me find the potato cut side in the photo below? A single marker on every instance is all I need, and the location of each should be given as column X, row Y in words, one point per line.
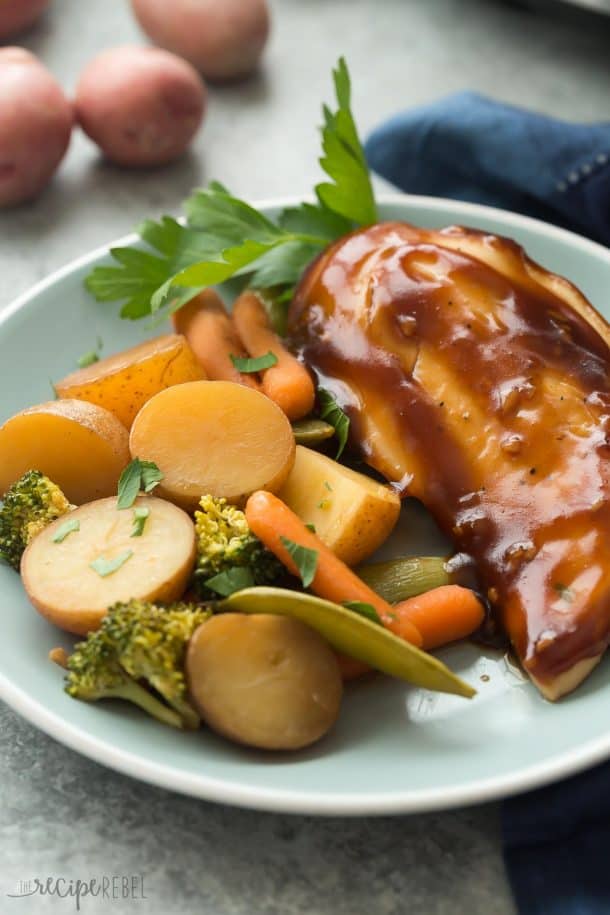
column 214, row 437
column 352, row 513
column 80, row 446
column 122, row 383
column 63, row 587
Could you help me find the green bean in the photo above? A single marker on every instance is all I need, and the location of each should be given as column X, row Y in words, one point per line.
column 312, row 431
column 399, row 579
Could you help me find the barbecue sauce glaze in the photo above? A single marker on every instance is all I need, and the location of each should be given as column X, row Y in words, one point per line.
column 482, row 392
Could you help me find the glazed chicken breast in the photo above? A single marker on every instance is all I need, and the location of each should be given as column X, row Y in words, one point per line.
column 478, row 382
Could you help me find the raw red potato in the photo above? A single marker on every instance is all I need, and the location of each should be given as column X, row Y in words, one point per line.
column 224, row 39
column 142, row 106
column 35, row 126
column 16, row 15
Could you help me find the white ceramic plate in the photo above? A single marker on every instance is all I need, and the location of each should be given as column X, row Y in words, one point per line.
column 395, row 749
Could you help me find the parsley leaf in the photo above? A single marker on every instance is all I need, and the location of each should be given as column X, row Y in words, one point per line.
column 282, row 265
column 150, row 474
column 138, row 475
column 315, row 219
column 129, row 484
column 363, row 609
column 245, row 242
column 231, row 580
column 216, row 212
column 140, row 514
column 311, row 527
column 334, row 415
column 105, row 567
column 68, row 527
column 140, row 272
column 351, row 194
column 305, row 560
column 248, row 366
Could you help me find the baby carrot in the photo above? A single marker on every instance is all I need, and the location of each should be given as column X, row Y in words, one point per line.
column 350, row 668
column 288, row 383
column 441, row 615
column 271, row 520
column 212, row 337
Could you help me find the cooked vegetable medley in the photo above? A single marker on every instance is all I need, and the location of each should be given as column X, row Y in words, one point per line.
column 215, row 564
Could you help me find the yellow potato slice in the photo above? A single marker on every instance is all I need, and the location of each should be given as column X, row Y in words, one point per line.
column 81, row 447
column 63, row 587
column 353, row 514
column 122, row 383
column 263, row 681
column 214, row 437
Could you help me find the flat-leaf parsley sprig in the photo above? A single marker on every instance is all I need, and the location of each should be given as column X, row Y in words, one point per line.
column 224, row 237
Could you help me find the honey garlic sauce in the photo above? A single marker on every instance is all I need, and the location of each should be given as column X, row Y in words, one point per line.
column 480, row 390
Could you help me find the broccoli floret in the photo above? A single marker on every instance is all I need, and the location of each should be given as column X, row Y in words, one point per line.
column 225, row 542
column 137, row 642
column 29, row 506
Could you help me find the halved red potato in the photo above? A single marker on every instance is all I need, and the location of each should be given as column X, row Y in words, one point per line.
column 123, row 382
column 68, row 590
column 215, row 437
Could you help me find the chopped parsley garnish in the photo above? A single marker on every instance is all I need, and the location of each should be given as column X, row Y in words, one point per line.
column 305, row 560
column 331, row 412
column 140, row 514
column 248, row 366
column 105, row 567
column 63, row 531
column 231, row 580
column 92, row 356
column 363, row 609
column 137, row 476
column 87, row 359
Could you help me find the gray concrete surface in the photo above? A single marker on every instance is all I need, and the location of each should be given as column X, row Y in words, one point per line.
column 63, row 815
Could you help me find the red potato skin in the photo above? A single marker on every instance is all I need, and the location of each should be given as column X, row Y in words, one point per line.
column 223, row 39
column 142, row 106
column 16, row 15
column 35, row 126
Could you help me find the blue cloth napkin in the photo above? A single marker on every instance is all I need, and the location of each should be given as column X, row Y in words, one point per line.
column 556, row 840
column 473, row 148
column 557, row 846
